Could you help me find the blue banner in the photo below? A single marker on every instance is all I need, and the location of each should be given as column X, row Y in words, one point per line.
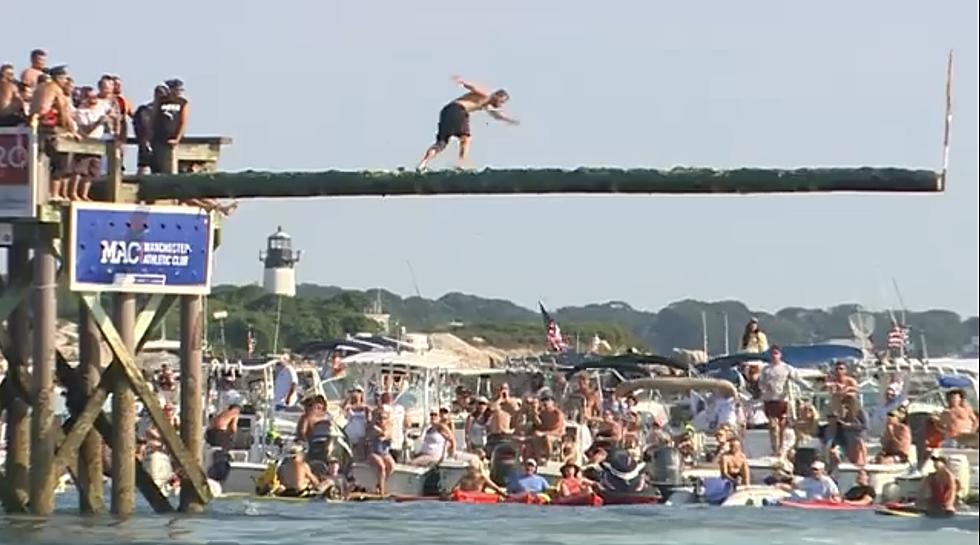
column 140, row 249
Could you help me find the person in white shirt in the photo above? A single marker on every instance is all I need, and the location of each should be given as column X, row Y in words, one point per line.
column 91, row 118
column 399, row 421
column 818, row 485
column 775, row 386
column 286, row 384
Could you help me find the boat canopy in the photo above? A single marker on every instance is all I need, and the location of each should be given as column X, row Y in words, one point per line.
column 433, row 359
column 631, row 363
column 803, row 357
column 676, row 385
column 961, row 382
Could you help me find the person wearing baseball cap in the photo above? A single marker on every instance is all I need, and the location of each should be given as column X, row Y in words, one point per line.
column 818, row 485
column 529, row 483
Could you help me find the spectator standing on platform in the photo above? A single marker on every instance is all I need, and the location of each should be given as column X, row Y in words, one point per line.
column 169, row 122
column 39, row 61
column 754, row 339
column 92, row 117
column 124, row 107
column 143, row 123
column 52, row 110
column 11, row 102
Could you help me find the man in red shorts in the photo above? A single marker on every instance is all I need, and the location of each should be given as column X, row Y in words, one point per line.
column 774, row 384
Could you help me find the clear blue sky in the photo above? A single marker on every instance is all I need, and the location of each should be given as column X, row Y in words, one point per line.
column 316, row 85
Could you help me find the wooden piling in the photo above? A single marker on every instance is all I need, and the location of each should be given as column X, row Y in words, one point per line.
column 42, row 477
column 18, row 420
column 90, row 500
column 191, row 394
column 124, row 415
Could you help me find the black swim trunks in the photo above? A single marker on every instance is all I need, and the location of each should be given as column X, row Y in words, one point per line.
column 454, row 120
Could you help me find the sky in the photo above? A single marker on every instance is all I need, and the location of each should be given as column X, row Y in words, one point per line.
column 358, row 85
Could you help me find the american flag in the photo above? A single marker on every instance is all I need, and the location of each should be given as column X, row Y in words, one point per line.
column 898, row 337
column 250, row 342
column 556, row 342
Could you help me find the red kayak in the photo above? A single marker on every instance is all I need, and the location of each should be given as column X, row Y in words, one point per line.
column 823, row 505
column 474, row 497
column 586, row 499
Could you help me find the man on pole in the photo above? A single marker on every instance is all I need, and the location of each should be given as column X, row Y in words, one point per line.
column 454, row 119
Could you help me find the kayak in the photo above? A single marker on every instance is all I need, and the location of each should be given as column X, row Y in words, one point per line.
column 626, row 499
column 822, row 505
column 586, row 499
column 474, row 497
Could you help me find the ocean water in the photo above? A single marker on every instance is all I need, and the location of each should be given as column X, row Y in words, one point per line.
column 232, row 522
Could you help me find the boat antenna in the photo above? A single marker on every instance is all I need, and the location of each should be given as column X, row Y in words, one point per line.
column 275, row 334
column 415, row 281
column 901, row 302
column 948, row 120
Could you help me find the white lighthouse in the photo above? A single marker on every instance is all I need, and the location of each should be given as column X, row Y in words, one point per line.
column 279, row 277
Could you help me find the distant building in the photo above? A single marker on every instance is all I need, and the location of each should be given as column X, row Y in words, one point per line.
column 376, row 312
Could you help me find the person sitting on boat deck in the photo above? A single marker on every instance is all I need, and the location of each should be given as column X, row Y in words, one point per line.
column 752, row 372
column 818, row 485
column 781, row 476
column 475, row 429
column 685, row 444
column 570, row 449
column 476, row 480
column 437, row 442
column 295, row 476
column 608, row 430
column 379, row 437
column 590, row 397
column 529, row 483
column 524, row 420
column 839, row 384
column 358, row 414
column 896, row 441
column 224, row 425
column 613, row 403
column 335, row 485
column 937, row 493
column 572, row 483
column 285, row 384
column 775, row 385
column 754, row 340
column 862, row 493
column 854, row 426
column 958, row 421
column 734, row 465
column 549, row 425
column 446, row 417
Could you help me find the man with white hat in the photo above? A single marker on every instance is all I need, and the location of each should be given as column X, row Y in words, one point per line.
column 818, row 485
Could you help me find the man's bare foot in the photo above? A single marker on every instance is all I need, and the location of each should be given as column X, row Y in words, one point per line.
column 423, row 166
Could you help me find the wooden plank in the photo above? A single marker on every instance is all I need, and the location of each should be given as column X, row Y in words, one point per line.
column 89, row 483
column 82, row 423
column 144, row 482
column 86, row 146
column 187, row 140
column 195, row 474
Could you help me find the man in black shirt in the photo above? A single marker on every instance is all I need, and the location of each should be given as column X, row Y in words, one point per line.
column 862, row 493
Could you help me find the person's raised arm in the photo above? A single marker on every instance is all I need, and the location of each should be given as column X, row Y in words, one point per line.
column 746, row 472
column 471, row 87
column 499, row 116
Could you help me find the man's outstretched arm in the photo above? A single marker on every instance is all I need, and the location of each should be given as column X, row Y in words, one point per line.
column 499, row 116
column 471, row 87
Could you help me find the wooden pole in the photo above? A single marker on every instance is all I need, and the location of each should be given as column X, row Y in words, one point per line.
column 191, row 394
column 90, row 500
column 42, row 476
column 124, row 416
column 18, row 421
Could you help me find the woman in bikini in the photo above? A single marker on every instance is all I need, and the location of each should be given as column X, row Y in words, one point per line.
column 358, row 415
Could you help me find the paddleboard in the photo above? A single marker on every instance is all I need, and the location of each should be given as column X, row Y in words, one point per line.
column 822, row 505
column 896, row 512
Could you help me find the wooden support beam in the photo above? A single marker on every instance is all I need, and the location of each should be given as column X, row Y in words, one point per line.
column 90, row 489
column 144, row 482
column 153, row 314
column 191, row 394
column 124, row 413
column 16, row 351
column 81, row 423
column 535, row 181
column 42, row 387
column 196, row 479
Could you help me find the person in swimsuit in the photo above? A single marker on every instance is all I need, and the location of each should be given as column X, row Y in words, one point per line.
column 896, row 442
column 548, row 427
column 475, row 480
column 454, row 119
column 295, row 476
column 572, row 483
column 862, row 493
column 379, row 437
column 937, row 496
column 476, row 426
column 959, row 422
column 358, row 415
column 221, row 432
column 437, row 442
column 733, row 464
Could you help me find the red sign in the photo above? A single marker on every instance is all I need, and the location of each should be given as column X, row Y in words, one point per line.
column 14, row 158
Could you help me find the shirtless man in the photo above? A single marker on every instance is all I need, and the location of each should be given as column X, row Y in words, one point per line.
column 295, row 475
column 506, row 402
column 549, row 425
column 959, row 421
column 896, row 441
column 224, row 425
column 840, row 384
column 51, row 108
column 39, row 60
column 11, row 103
column 454, row 119
column 937, row 496
column 733, row 464
column 609, row 430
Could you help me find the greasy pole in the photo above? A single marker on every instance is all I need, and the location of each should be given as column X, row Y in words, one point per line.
column 89, row 478
column 42, row 477
column 191, row 394
column 18, row 420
